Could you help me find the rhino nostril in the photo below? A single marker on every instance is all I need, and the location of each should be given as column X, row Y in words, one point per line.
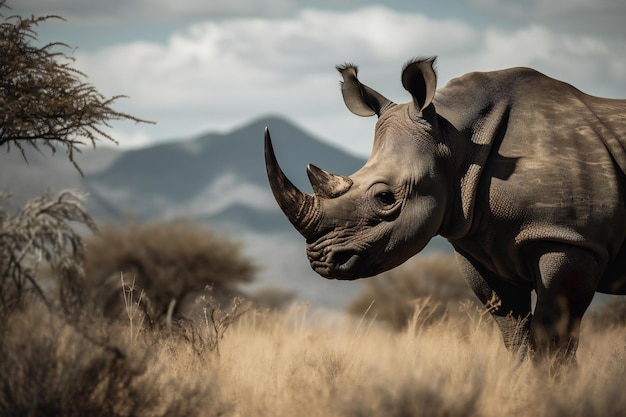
column 345, row 261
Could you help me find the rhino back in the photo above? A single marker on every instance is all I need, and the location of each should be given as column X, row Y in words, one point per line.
column 554, row 171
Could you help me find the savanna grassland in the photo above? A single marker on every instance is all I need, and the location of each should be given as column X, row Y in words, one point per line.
column 241, row 361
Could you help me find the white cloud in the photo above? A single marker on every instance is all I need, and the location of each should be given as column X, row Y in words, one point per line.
column 523, row 47
column 220, row 73
column 221, row 194
column 590, row 63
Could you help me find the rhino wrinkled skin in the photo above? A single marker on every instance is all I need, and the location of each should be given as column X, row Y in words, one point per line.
column 523, row 174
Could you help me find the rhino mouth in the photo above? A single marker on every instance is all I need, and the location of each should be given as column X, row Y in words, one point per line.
column 343, row 264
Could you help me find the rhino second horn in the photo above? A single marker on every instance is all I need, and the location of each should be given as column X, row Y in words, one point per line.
column 302, row 210
column 327, row 185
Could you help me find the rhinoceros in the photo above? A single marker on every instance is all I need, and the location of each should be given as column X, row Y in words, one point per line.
column 523, row 174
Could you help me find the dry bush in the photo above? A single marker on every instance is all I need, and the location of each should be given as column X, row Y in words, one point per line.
column 432, row 284
column 41, row 235
column 169, row 262
column 50, row 368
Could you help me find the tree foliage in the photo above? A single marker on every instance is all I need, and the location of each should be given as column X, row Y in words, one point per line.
column 44, row 100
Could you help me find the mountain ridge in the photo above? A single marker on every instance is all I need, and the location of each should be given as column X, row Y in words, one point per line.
column 176, row 173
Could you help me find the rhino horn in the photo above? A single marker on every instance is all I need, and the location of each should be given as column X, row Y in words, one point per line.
column 327, row 185
column 303, row 210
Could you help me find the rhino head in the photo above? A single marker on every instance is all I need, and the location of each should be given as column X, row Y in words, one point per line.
column 386, row 212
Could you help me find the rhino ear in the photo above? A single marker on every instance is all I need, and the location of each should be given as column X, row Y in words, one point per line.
column 359, row 98
column 419, row 79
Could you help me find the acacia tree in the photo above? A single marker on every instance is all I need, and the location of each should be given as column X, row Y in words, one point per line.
column 44, row 101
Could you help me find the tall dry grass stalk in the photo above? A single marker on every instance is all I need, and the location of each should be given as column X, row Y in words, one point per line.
column 303, row 363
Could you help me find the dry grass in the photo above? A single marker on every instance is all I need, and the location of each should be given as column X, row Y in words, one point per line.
column 50, row 368
column 301, row 363
column 338, row 367
column 332, row 366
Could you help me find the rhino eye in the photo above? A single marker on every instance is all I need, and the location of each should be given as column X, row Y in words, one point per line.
column 383, row 200
column 386, row 198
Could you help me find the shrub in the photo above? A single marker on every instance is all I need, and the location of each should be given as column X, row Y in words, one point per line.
column 41, row 233
column 169, row 262
column 53, row 369
column 432, row 284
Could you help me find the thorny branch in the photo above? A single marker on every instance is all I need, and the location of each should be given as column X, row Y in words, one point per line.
column 44, row 100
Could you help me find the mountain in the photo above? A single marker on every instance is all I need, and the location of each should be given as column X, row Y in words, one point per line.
column 205, row 176
column 218, row 178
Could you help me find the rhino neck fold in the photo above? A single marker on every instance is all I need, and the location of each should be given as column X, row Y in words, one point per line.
column 470, row 159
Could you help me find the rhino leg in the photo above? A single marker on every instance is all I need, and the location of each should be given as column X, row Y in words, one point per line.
column 566, row 278
column 509, row 305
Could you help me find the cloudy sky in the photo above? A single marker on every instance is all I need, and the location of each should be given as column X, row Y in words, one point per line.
column 199, row 65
